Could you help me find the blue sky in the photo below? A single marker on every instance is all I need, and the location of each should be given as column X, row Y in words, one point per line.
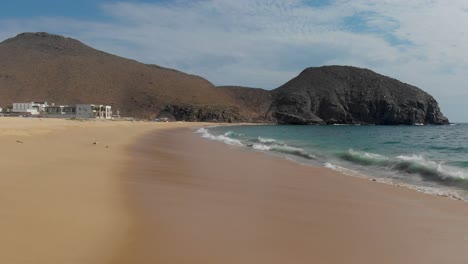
column 264, row 43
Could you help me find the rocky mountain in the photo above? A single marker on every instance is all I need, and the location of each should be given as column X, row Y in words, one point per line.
column 45, row 67
column 350, row 95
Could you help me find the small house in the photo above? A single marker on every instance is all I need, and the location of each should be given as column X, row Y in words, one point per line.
column 93, row 111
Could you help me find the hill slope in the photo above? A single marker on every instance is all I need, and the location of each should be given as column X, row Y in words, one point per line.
column 348, row 95
column 40, row 66
column 257, row 101
column 45, row 67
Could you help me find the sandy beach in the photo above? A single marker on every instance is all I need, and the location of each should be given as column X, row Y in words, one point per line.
column 61, row 196
column 200, row 201
column 158, row 193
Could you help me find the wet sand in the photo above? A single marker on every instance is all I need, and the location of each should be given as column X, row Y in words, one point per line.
column 61, row 196
column 198, row 201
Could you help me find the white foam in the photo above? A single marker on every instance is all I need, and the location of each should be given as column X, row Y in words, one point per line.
column 413, row 157
column 266, row 140
column 222, row 138
column 444, row 171
column 261, row 147
column 427, row 190
column 367, row 155
column 287, row 148
column 283, row 149
column 343, row 170
column 451, row 172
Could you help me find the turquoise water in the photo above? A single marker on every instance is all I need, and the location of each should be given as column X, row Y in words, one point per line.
column 427, row 158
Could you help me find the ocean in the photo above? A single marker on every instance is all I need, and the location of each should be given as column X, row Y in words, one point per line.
column 430, row 159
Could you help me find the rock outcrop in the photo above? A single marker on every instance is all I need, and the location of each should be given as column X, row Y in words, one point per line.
column 350, row 95
column 191, row 113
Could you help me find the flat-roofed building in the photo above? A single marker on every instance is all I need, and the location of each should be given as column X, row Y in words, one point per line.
column 60, row 111
column 32, row 108
column 93, row 111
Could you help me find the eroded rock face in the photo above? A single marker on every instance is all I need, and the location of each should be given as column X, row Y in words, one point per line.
column 349, row 95
column 202, row 113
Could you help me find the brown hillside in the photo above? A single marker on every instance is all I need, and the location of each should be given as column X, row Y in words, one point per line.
column 41, row 66
column 255, row 100
column 45, row 67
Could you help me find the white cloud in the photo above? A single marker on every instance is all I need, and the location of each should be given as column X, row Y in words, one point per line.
column 266, row 43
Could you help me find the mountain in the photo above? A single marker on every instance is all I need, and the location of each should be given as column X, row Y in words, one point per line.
column 46, row 67
column 350, row 95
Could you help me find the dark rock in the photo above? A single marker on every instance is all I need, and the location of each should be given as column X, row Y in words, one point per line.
column 349, row 95
column 191, row 113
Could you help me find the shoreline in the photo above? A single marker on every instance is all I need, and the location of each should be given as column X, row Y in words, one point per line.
column 456, row 195
column 201, row 201
column 159, row 193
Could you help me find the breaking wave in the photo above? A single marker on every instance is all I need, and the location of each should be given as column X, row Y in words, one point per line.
column 283, row 148
column 412, row 164
column 265, row 144
column 450, row 174
column 222, row 138
column 266, row 140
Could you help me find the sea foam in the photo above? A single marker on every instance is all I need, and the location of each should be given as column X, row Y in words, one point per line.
column 283, row 148
column 412, row 164
column 222, row 138
column 266, row 140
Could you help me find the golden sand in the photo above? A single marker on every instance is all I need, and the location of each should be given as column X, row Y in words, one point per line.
column 149, row 193
column 61, row 198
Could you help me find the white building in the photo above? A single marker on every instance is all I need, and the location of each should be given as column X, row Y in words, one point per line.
column 93, row 111
column 63, row 111
column 32, row 108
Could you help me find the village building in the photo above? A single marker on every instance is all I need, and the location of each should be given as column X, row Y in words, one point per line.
column 93, row 111
column 63, row 111
column 32, row 108
column 60, row 111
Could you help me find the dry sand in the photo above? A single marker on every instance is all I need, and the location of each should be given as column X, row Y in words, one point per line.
column 205, row 202
column 159, row 195
column 61, row 198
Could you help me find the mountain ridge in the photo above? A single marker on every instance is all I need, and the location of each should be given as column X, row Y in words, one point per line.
column 47, row 67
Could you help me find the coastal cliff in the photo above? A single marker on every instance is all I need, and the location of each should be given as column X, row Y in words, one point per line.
column 46, row 67
column 350, row 95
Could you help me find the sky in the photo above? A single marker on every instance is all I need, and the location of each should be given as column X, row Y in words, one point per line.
column 265, row 43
